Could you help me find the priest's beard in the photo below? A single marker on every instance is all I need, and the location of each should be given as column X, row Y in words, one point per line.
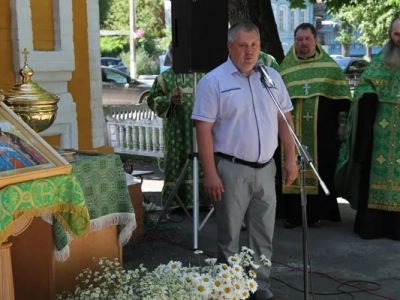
column 392, row 55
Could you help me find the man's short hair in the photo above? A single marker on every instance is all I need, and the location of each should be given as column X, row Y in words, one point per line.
column 245, row 25
column 305, row 26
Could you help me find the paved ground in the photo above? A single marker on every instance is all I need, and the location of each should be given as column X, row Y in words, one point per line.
column 337, row 255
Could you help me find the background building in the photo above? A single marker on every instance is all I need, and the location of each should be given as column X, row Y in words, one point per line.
column 287, row 19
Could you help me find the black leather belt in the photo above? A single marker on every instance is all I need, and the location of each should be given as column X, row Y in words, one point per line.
column 254, row 165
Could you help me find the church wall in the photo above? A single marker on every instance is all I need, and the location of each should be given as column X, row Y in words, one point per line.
column 7, row 76
column 43, row 25
column 52, row 68
column 62, row 37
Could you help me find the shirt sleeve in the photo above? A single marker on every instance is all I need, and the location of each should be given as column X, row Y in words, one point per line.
column 206, row 106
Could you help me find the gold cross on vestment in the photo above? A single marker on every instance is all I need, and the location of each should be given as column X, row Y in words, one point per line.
column 25, row 53
column 306, row 88
column 308, row 116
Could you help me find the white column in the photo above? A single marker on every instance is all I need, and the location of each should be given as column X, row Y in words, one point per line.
column 96, row 100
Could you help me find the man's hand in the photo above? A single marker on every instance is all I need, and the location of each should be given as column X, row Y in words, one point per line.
column 213, row 186
column 290, row 172
column 342, row 133
column 176, row 97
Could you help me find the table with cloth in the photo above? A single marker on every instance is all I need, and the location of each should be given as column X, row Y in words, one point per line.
column 60, row 195
column 55, row 255
column 103, row 181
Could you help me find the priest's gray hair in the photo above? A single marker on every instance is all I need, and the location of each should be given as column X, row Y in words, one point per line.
column 246, row 26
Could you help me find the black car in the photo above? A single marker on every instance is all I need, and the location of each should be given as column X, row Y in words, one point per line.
column 353, row 67
column 115, row 63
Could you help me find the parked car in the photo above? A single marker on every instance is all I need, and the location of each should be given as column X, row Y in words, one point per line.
column 334, row 56
column 119, row 88
column 165, row 61
column 115, row 63
column 353, row 67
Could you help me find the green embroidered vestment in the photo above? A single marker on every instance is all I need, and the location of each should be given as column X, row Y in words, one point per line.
column 384, row 186
column 311, row 83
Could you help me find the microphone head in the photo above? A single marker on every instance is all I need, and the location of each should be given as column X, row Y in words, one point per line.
column 259, row 63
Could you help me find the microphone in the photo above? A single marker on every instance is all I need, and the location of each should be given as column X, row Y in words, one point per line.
column 264, row 73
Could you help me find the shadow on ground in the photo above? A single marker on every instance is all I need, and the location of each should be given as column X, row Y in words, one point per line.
column 371, row 268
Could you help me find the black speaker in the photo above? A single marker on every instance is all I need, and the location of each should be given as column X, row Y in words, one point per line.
column 199, row 34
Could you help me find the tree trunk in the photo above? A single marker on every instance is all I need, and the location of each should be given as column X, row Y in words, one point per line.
column 346, row 50
column 261, row 14
column 237, row 11
column 368, row 52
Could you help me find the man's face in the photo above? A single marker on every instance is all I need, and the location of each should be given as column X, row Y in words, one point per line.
column 395, row 34
column 244, row 50
column 305, row 42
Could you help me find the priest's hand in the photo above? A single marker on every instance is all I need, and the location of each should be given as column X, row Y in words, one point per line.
column 290, row 172
column 213, row 186
column 176, row 97
column 341, row 133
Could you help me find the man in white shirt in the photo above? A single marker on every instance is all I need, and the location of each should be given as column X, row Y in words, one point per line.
column 237, row 126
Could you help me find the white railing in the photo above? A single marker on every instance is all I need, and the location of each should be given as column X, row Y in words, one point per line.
column 134, row 129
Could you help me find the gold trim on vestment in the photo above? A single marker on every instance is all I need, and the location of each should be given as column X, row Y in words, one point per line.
column 316, row 80
column 304, row 66
column 384, row 207
column 295, row 188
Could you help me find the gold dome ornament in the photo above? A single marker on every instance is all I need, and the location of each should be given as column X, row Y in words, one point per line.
column 36, row 106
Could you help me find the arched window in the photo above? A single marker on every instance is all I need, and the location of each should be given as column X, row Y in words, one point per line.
column 292, row 19
column 282, row 18
column 303, row 16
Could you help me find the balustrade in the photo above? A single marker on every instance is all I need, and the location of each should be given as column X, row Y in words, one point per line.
column 134, row 129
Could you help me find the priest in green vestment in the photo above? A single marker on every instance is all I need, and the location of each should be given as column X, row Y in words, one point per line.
column 368, row 173
column 321, row 98
column 171, row 98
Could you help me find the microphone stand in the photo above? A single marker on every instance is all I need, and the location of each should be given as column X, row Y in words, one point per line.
column 303, row 159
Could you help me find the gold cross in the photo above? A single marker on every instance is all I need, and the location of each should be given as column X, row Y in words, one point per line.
column 25, row 53
column 383, row 123
column 381, row 159
column 308, row 116
column 306, row 87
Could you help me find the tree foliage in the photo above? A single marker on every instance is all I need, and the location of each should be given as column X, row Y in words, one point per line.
column 260, row 12
column 150, row 16
column 115, row 14
column 371, row 17
column 104, row 7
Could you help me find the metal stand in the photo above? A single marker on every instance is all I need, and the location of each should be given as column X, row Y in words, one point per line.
column 304, row 158
column 194, row 158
